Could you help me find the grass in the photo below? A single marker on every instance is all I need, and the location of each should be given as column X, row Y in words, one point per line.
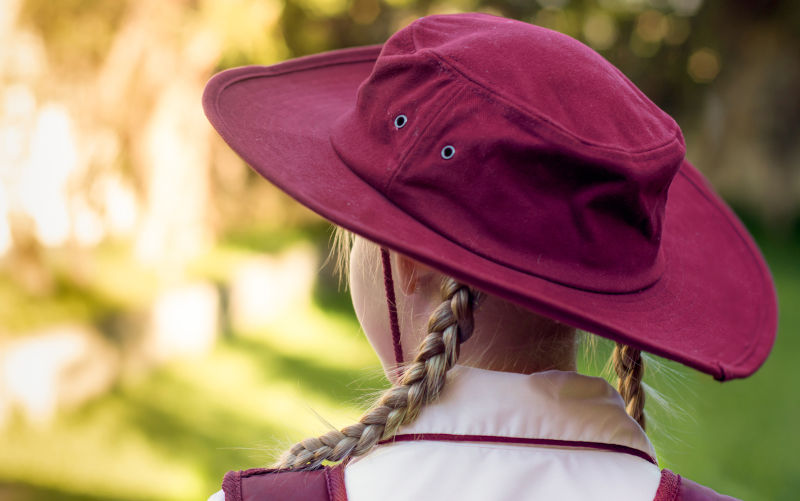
column 71, row 286
column 173, row 433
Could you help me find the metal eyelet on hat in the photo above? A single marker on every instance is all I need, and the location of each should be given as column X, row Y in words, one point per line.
column 400, row 121
column 448, row 152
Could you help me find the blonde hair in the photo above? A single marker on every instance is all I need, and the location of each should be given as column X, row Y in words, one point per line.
column 629, row 366
column 422, row 380
column 420, row 383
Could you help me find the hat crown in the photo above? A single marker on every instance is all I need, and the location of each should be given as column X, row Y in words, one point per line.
column 559, row 166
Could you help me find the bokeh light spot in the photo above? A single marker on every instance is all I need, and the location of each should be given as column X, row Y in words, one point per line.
column 600, row 30
column 704, row 65
column 678, row 31
column 651, row 26
column 364, row 11
column 685, row 7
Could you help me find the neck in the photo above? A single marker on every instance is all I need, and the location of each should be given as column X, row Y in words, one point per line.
column 506, row 337
column 509, row 338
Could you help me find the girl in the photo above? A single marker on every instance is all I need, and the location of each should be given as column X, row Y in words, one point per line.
column 517, row 187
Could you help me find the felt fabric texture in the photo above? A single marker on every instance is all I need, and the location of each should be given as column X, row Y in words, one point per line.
column 263, row 484
column 568, row 191
column 676, row 488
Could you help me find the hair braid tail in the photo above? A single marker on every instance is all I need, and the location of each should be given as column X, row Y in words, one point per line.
column 629, row 366
column 421, row 383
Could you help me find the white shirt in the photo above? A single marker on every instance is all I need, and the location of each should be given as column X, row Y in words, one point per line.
column 554, row 405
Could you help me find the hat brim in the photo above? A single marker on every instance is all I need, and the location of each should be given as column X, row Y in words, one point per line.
column 714, row 309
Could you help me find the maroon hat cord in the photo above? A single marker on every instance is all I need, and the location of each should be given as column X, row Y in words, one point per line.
column 390, row 301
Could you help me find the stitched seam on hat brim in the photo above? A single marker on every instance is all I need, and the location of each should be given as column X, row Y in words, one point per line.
column 297, row 65
column 521, row 108
column 269, row 74
column 748, row 352
column 304, row 63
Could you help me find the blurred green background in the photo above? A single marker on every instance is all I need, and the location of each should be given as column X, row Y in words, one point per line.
column 166, row 315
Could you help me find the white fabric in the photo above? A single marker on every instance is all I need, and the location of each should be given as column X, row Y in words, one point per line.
column 553, row 405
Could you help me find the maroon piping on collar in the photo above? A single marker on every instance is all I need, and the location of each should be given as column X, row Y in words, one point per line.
column 392, row 303
column 446, row 437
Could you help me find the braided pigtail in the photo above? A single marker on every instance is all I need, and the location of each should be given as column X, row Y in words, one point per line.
column 629, row 366
column 421, row 383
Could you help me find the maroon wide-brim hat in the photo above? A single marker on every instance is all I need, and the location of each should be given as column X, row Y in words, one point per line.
column 521, row 162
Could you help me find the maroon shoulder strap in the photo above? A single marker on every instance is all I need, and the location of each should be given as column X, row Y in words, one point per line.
column 261, row 484
column 675, row 488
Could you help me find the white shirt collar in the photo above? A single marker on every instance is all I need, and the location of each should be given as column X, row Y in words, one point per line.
column 557, row 405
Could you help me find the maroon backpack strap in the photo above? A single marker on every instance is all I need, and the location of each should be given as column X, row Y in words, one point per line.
column 336, row 486
column 668, row 488
column 261, row 484
column 675, row 488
